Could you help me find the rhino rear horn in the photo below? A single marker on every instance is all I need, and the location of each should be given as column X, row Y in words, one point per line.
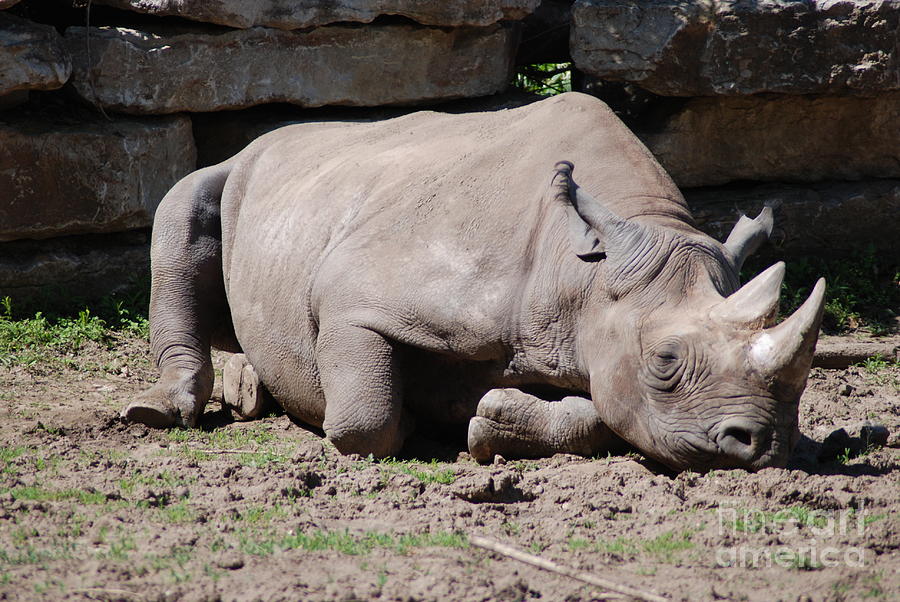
column 747, row 235
column 593, row 229
column 785, row 352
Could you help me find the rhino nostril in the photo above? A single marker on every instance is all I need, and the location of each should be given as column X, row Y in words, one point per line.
column 741, row 438
column 739, row 434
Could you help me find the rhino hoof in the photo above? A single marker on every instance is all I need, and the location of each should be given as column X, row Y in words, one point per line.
column 152, row 414
column 242, row 392
column 481, row 434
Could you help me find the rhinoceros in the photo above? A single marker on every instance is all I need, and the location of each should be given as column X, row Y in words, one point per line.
column 441, row 269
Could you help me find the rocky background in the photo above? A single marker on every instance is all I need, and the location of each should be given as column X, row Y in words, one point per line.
column 105, row 104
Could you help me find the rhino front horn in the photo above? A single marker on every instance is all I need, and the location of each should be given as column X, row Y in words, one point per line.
column 785, row 351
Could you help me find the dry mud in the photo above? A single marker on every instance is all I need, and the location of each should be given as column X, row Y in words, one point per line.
column 93, row 509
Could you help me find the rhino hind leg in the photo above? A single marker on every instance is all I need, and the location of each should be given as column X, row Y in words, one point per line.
column 514, row 424
column 188, row 307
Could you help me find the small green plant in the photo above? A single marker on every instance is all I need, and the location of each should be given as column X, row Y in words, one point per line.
column 863, row 289
column 546, row 79
column 41, row 338
column 666, row 546
column 349, row 543
column 845, row 456
column 882, row 371
column 433, row 472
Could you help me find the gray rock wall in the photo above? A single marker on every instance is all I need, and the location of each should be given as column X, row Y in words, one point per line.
column 790, row 103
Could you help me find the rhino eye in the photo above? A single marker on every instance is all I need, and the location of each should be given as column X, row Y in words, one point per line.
column 664, row 364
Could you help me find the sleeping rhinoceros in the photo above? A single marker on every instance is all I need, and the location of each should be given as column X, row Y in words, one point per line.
column 447, row 268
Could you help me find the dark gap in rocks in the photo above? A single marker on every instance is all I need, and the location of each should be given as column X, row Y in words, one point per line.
column 641, row 110
column 545, row 34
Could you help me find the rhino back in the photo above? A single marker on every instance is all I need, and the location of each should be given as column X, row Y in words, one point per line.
column 429, row 227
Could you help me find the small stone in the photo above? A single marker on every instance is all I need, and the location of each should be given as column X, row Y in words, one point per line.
column 138, row 431
column 309, row 451
column 853, row 440
column 231, row 562
column 845, row 390
column 499, row 460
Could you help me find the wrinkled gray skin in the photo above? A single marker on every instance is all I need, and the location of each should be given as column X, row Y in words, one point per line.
column 442, row 268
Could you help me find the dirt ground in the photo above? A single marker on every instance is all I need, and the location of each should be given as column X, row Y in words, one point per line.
column 91, row 508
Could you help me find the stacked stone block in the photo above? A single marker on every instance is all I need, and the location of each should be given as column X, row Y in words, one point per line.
column 793, row 103
column 83, row 169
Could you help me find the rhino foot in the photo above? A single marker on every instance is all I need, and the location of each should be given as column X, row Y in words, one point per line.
column 518, row 425
column 170, row 402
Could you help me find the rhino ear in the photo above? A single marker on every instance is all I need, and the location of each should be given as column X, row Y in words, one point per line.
column 747, row 235
column 592, row 227
column 584, row 240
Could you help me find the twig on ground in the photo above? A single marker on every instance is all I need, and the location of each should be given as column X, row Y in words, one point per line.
column 548, row 565
column 225, row 451
column 106, row 590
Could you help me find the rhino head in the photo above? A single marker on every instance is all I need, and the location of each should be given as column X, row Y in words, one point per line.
column 684, row 363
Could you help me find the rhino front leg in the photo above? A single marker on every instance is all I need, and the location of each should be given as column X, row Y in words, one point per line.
column 188, row 308
column 363, row 393
column 518, row 425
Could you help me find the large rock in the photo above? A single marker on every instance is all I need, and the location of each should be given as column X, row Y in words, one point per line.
column 52, row 274
column 202, row 70
column 32, row 56
column 66, row 177
column 705, row 47
column 298, row 14
column 826, row 218
column 716, row 140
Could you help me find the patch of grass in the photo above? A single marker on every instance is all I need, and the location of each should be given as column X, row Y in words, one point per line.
column 511, row 528
column 664, row 548
column 259, row 514
column 351, row 544
column 668, row 545
column 845, row 456
column 253, row 446
column 41, row 338
column 882, row 371
column 577, row 543
column 754, row 521
column 525, row 465
column 120, row 548
column 28, row 554
column 863, row 289
column 7, row 455
column 161, row 479
column 871, row 586
column 178, row 513
column 40, row 494
column 433, row 472
column 546, row 79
